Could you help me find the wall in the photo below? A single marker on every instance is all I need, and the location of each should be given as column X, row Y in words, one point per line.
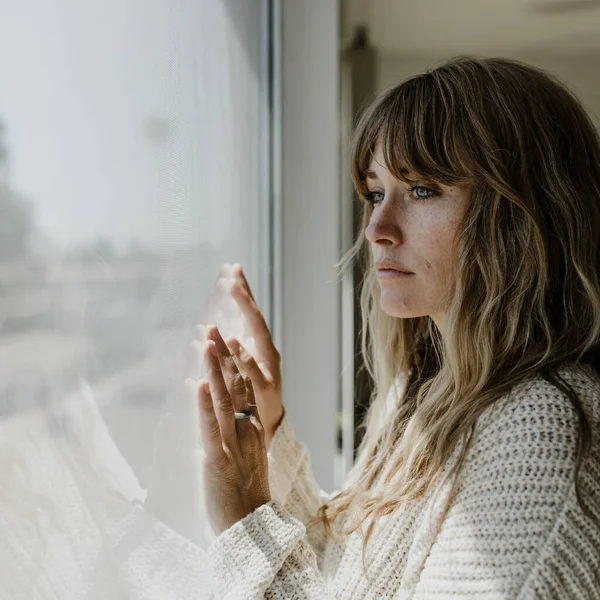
column 579, row 72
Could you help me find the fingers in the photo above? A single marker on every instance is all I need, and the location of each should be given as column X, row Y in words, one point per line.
column 248, row 364
column 258, row 326
column 255, row 418
column 210, row 428
column 254, row 379
column 237, row 272
column 201, row 334
column 241, row 293
column 225, row 272
column 234, row 271
column 250, row 310
column 267, row 355
column 222, row 401
column 216, row 405
column 234, row 380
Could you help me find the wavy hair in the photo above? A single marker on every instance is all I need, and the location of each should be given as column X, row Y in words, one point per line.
column 526, row 297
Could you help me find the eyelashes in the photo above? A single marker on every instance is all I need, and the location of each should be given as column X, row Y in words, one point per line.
column 419, row 193
column 371, row 198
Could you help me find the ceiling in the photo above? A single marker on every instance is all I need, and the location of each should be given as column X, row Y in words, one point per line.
column 486, row 27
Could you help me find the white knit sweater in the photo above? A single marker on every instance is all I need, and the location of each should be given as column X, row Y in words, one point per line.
column 511, row 529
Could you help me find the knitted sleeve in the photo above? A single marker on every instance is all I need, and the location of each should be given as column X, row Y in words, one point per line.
column 514, row 529
column 293, row 484
column 270, row 553
column 266, row 555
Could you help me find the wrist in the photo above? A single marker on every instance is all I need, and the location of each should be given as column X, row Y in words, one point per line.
column 270, row 431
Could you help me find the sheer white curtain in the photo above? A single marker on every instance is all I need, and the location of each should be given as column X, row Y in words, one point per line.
column 130, row 170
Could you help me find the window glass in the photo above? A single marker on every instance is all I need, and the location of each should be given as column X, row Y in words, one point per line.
column 131, row 168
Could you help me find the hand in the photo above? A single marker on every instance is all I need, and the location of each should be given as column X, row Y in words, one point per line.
column 264, row 366
column 235, row 466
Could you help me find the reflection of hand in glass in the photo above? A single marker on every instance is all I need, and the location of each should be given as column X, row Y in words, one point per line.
column 255, row 354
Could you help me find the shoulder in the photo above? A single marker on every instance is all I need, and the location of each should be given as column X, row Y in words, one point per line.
column 540, row 416
column 530, row 438
column 513, row 514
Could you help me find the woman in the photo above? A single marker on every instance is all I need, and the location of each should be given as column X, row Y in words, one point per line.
column 478, row 475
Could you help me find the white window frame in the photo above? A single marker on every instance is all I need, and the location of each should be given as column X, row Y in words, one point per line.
column 306, row 316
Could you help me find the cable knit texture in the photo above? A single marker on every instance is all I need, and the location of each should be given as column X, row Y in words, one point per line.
column 508, row 527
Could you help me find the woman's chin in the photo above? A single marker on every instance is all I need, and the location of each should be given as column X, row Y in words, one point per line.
column 397, row 305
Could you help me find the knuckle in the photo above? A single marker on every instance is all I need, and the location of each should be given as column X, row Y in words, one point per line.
column 223, row 403
column 238, row 382
column 215, row 430
column 225, row 458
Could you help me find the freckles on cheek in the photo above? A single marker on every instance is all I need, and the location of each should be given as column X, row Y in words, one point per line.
column 438, row 250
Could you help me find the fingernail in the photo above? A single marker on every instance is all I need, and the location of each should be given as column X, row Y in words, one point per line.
column 234, row 345
column 213, row 349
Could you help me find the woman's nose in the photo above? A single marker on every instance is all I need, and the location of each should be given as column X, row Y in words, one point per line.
column 384, row 227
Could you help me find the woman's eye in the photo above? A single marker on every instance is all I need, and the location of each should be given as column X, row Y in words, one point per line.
column 421, row 192
column 374, row 198
column 418, row 192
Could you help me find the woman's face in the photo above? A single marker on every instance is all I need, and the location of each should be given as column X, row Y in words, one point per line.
column 414, row 226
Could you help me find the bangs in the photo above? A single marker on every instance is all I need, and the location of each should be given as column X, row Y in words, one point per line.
column 416, row 124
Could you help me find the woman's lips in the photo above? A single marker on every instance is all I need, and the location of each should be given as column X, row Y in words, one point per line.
column 392, row 274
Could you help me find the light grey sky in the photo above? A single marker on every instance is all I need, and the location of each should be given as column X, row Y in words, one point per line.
column 87, row 91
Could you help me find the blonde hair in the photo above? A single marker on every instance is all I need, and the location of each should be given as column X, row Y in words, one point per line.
column 527, row 290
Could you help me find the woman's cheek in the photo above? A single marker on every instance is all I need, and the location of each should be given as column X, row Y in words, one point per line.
column 436, row 252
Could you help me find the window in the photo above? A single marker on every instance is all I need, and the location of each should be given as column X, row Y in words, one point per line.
column 134, row 162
